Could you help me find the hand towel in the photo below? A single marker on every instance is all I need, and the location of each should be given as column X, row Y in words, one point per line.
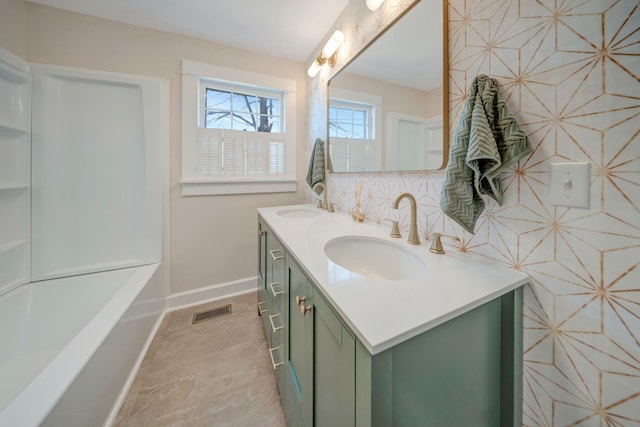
column 316, row 171
column 487, row 140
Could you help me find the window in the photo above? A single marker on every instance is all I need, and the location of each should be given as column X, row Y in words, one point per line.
column 349, row 119
column 238, row 132
column 246, row 109
column 353, row 118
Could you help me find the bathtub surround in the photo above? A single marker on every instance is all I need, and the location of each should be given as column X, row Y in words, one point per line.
column 93, row 177
column 87, row 217
column 570, row 75
column 212, row 237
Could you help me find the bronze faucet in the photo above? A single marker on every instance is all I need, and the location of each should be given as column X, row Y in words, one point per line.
column 413, row 226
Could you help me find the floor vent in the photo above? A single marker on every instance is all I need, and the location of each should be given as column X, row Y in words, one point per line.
column 211, row 314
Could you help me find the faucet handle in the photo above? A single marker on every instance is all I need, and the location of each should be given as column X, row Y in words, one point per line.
column 436, row 244
column 319, row 204
column 395, row 229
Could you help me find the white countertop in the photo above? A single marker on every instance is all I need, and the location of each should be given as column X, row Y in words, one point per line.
column 383, row 313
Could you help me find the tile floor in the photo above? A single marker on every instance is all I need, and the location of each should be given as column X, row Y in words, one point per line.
column 214, row 373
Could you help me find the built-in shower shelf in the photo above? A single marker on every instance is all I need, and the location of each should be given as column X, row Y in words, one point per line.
column 13, row 187
column 12, row 130
column 6, row 247
column 15, row 154
column 12, row 75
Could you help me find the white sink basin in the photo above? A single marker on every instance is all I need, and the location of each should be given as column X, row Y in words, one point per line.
column 299, row 213
column 374, row 257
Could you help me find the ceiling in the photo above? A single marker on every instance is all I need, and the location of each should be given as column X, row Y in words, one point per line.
column 418, row 64
column 289, row 29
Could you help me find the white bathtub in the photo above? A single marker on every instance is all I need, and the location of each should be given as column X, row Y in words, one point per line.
column 68, row 346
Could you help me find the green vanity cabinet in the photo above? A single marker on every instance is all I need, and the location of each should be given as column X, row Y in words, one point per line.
column 464, row 372
column 321, row 360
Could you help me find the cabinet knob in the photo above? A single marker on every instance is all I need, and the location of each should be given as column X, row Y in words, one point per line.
column 300, row 300
column 304, row 310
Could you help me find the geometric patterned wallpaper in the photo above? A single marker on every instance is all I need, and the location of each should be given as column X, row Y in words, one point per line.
column 570, row 72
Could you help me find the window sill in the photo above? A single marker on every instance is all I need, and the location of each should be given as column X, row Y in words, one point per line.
column 192, row 187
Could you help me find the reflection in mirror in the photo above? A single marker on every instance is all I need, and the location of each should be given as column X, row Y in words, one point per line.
column 387, row 106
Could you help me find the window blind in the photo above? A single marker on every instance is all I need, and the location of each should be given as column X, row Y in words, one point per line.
column 228, row 154
column 353, row 154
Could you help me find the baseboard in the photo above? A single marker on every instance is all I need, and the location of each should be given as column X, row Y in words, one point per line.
column 134, row 372
column 211, row 293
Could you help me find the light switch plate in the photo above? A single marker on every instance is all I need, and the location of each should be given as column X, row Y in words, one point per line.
column 570, row 184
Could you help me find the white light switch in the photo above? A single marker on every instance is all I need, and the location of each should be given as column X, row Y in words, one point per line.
column 571, row 184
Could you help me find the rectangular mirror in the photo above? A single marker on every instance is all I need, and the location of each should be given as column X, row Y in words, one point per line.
column 387, row 108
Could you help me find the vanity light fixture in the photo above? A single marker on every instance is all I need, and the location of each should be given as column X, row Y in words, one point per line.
column 373, row 5
column 328, row 54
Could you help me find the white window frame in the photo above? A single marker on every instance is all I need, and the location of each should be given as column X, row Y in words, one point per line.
column 194, row 76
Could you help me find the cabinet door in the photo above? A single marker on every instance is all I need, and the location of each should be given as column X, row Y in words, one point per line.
column 334, row 366
column 300, row 356
column 264, row 301
column 263, row 309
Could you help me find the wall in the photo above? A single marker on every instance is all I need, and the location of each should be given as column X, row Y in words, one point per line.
column 213, row 238
column 571, row 76
column 13, row 24
column 395, row 98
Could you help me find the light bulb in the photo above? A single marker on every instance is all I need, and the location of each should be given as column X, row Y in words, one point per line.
column 333, row 44
column 314, row 69
column 373, row 5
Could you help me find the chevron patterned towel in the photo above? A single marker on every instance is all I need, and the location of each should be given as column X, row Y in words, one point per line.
column 315, row 174
column 487, row 140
